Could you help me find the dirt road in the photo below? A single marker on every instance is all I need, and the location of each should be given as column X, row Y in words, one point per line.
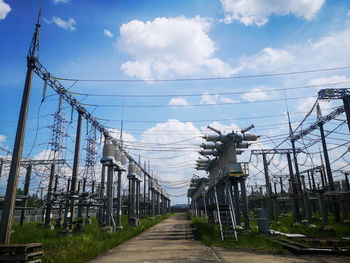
column 171, row 241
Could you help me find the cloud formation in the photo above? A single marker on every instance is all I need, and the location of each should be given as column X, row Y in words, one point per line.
column 178, row 101
column 257, row 12
column 207, row 98
column 4, row 9
column 108, row 33
column 326, row 52
column 70, row 24
column 255, row 94
column 61, row 1
column 167, row 47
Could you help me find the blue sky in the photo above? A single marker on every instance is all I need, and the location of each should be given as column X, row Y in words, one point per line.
column 167, row 40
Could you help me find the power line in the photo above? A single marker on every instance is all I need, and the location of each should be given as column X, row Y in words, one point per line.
column 205, row 79
column 194, row 105
column 201, row 94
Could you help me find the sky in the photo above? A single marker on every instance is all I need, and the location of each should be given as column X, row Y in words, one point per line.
column 169, row 69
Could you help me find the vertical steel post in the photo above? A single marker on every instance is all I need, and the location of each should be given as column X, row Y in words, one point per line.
column 268, row 188
column 281, row 184
column 306, row 202
column 346, row 102
column 102, row 196
column 153, row 203
column 236, row 202
column 244, row 204
column 49, row 197
column 158, row 203
column 26, row 193
column 109, row 205
column 293, row 197
column 119, row 198
column 144, row 190
column 329, row 173
column 313, row 180
column 66, row 208
column 75, row 170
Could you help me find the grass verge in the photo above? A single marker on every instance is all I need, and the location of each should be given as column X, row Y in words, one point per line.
column 82, row 246
column 285, row 224
column 252, row 240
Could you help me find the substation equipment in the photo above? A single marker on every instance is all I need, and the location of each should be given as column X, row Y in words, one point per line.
column 217, row 197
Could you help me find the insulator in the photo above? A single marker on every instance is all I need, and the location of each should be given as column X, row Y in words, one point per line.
column 45, row 88
column 123, row 159
column 242, row 145
column 117, row 155
column 212, row 137
column 208, row 152
column 247, row 129
column 132, row 168
column 202, row 161
column 87, row 126
column 60, row 99
column 71, row 114
column 108, row 150
column 208, row 145
column 250, row 137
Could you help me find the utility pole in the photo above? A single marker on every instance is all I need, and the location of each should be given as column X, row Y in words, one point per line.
column 10, row 197
column 268, row 188
column 49, row 197
column 26, row 193
column 328, row 165
column 75, row 170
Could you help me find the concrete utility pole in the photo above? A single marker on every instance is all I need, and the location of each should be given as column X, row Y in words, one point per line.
column 49, row 197
column 26, row 193
column 102, row 196
column 268, row 188
column 10, row 197
column 75, row 171
column 328, row 165
column 119, row 199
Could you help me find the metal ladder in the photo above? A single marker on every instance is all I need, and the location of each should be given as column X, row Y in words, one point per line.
column 218, row 213
column 233, row 216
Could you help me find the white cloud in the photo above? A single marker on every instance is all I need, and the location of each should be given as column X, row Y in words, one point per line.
column 348, row 14
column 70, row 24
column 327, row 52
column 228, row 100
column 108, row 33
column 166, row 47
column 209, row 99
column 255, row 94
column 332, row 79
column 44, row 155
column 4, row 9
column 61, row 1
column 275, row 58
column 127, row 137
column 178, row 101
column 257, row 12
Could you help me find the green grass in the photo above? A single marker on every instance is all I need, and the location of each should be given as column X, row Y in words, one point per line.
column 251, row 240
column 82, row 246
column 285, row 225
